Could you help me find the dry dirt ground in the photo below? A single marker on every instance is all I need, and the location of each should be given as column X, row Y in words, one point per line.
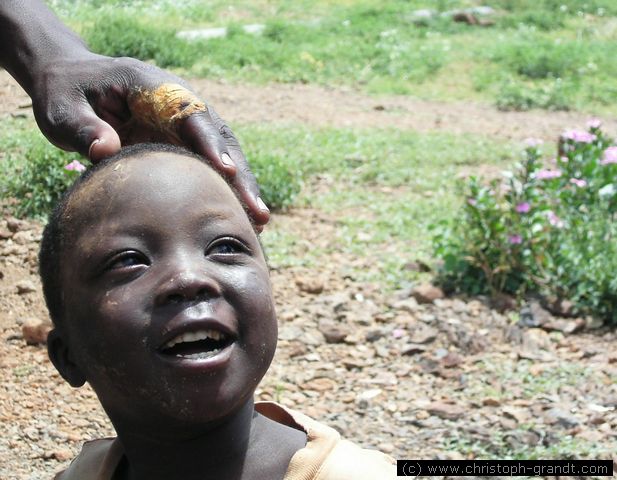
column 416, row 380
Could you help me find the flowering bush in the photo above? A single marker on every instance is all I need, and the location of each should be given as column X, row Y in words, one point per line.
column 547, row 228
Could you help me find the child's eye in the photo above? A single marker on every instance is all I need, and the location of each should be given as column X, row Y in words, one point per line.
column 226, row 246
column 127, row 260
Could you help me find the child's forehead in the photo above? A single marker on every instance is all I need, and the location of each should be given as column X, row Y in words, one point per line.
column 136, row 182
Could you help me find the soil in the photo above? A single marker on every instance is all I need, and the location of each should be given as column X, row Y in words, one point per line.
column 416, row 380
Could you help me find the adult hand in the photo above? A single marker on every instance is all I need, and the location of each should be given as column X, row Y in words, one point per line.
column 89, row 104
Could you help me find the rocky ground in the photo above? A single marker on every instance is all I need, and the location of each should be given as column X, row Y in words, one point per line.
column 411, row 373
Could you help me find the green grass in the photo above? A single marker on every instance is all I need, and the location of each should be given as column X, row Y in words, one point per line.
column 387, row 188
column 378, row 47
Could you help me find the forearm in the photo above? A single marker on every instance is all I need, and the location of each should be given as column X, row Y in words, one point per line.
column 31, row 36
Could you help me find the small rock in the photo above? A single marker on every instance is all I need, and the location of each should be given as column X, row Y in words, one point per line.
column 423, row 334
column 297, row 349
column 25, row 286
column 418, row 266
column 565, row 326
column 5, row 234
column 446, row 411
column 63, row 454
column 35, row 331
column 533, row 315
column 374, row 334
column 491, row 402
column 332, row 332
column 16, row 225
column 364, row 398
column 408, row 305
column 427, row 293
column 522, row 438
column 452, row 359
column 413, row 349
column 310, row 284
column 560, row 307
column 503, row 302
column 561, row 417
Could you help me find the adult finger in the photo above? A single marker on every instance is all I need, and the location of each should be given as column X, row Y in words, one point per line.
column 208, row 135
column 76, row 127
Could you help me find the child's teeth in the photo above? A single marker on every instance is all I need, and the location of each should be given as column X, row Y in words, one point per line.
column 194, row 337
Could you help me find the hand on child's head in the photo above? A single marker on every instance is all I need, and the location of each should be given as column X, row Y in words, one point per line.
column 166, row 306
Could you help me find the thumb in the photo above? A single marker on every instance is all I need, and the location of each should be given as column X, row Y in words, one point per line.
column 77, row 128
column 95, row 138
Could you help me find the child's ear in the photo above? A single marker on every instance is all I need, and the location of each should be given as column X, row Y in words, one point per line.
column 60, row 355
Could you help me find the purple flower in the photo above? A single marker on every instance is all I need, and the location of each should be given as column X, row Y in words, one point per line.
column 554, row 220
column 579, row 136
column 76, row 166
column 532, row 142
column 579, row 182
column 594, row 123
column 609, row 156
column 472, row 201
column 548, row 174
column 564, row 159
column 398, row 332
column 523, row 207
column 515, row 239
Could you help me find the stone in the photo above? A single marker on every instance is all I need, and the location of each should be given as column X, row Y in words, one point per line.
column 452, row 359
column 25, row 286
column 407, row 305
column 561, row 417
column 35, row 330
column 447, row 411
column 364, row 398
column 333, row 332
column 491, row 402
column 560, row 306
column 502, row 302
column 423, row 334
column 310, row 284
column 413, row 349
column 427, row 293
column 63, row 454
column 5, row 234
column 565, row 326
column 15, row 225
column 533, row 315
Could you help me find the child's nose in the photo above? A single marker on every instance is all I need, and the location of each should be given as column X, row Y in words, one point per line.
column 188, row 284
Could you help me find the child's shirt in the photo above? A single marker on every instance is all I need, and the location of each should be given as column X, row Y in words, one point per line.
column 325, row 457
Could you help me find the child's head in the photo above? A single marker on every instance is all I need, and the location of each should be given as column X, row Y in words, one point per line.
column 159, row 291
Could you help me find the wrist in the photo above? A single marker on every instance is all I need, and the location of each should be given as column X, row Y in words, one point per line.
column 34, row 39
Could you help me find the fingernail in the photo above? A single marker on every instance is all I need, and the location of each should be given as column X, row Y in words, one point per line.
column 227, row 161
column 262, row 206
column 96, row 141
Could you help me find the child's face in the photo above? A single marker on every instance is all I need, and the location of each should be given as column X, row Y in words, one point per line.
column 168, row 305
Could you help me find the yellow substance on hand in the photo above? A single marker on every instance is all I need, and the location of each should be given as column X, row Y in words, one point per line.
column 163, row 108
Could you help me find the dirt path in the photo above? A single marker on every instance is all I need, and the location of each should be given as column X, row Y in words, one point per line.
column 319, row 106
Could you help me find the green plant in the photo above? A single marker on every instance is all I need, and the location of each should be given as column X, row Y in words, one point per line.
column 279, row 184
column 37, row 176
column 116, row 35
column 520, row 96
column 547, row 229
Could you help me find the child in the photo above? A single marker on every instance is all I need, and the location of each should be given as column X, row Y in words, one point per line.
column 160, row 296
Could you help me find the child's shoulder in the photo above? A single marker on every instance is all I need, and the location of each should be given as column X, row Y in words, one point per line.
column 98, row 459
column 326, row 455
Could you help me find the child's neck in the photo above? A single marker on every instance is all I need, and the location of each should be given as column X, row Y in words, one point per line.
column 240, row 448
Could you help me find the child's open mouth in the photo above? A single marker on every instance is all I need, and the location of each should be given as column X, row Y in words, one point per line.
column 200, row 344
